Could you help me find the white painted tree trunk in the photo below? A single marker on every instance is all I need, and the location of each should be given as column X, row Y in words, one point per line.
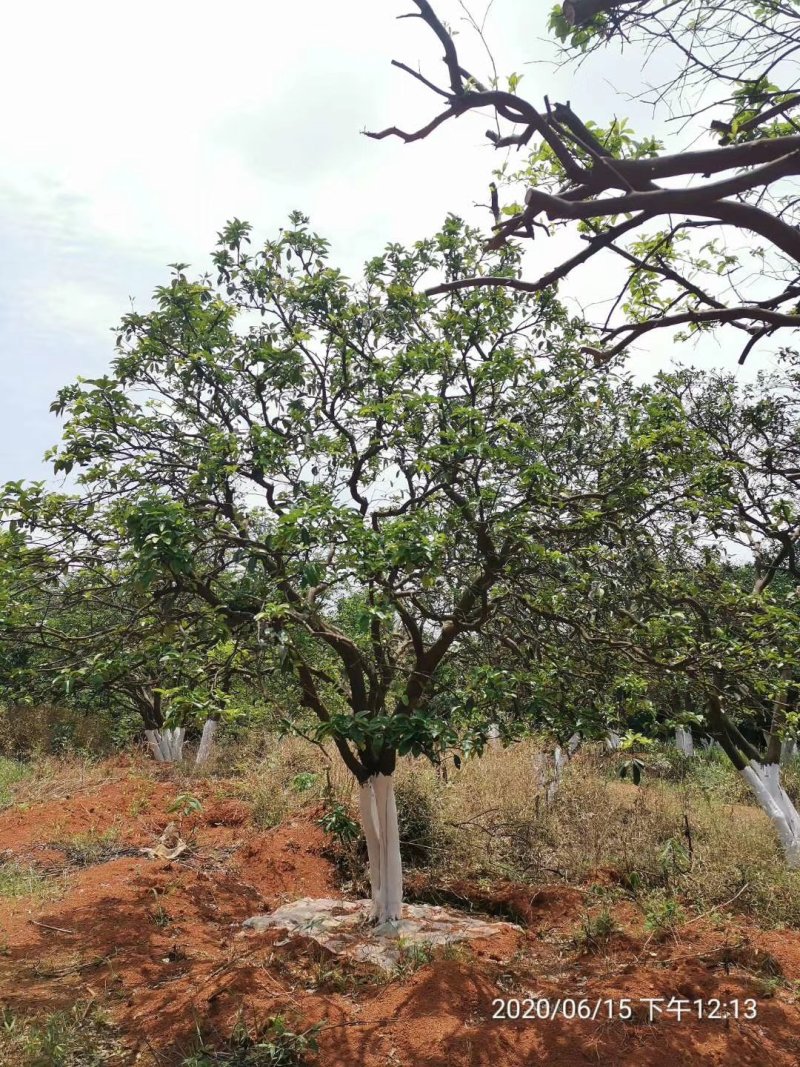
column 210, row 727
column 154, row 745
column 493, row 736
column 166, row 745
column 765, row 781
column 369, row 823
column 561, row 758
column 683, row 741
column 788, row 750
column 710, row 745
column 379, row 819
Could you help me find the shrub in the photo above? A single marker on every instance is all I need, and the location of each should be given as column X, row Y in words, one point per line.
column 419, row 816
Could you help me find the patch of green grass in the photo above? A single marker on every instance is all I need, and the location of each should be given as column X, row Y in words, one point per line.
column 417, row 954
column 662, row 914
column 11, row 771
column 414, row 955
column 270, row 806
column 596, row 930
column 91, row 847
column 273, row 1045
column 19, row 881
column 768, row 987
column 80, row 1036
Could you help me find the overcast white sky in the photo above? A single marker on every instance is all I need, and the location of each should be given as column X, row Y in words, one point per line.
column 131, row 133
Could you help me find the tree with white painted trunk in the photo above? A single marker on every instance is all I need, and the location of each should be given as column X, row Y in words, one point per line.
column 82, row 633
column 358, row 476
column 754, row 436
column 714, row 640
column 699, row 623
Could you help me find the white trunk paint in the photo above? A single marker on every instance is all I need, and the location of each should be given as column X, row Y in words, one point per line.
column 559, row 763
column 379, row 819
column 612, row 740
column 166, row 745
column 154, row 741
column 493, row 736
column 788, row 750
column 369, row 822
column 710, row 745
column 765, row 781
column 683, row 741
column 391, row 898
column 206, row 742
column 561, row 758
column 176, row 736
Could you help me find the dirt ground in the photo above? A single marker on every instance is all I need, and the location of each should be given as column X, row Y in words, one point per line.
column 158, row 947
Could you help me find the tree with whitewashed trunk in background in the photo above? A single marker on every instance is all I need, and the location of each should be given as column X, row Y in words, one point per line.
column 718, row 636
column 753, row 435
column 382, row 466
column 737, row 646
column 79, row 630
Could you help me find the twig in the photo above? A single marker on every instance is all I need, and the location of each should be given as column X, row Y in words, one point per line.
column 717, row 907
column 46, row 926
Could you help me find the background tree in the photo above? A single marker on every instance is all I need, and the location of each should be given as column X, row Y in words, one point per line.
column 79, row 630
column 683, row 612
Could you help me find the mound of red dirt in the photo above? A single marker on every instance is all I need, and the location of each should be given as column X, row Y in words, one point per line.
column 159, row 946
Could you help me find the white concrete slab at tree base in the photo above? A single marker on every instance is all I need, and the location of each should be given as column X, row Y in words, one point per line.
column 342, row 927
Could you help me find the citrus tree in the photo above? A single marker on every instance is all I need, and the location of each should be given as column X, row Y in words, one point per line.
column 357, row 473
column 704, row 607
column 78, row 629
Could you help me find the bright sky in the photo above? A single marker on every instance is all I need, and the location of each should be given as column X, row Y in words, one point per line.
column 132, row 133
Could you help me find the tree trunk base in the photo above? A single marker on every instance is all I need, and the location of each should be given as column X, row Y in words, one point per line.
column 683, row 741
column 210, row 727
column 379, row 820
column 765, row 781
column 166, row 745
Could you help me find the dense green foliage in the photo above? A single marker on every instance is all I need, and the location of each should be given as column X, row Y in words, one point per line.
column 350, row 479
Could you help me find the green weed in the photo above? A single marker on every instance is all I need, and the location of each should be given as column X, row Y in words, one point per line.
column 273, row 1045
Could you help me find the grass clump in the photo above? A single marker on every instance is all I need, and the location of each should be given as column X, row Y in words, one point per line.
column 91, row 847
column 47, row 729
column 662, row 914
column 285, row 780
column 423, row 833
column 273, row 1045
column 11, row 772
column 596, row 930
column 19, row 881
column 79, row 1036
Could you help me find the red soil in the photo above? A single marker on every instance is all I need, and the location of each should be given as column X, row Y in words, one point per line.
column 159, row 947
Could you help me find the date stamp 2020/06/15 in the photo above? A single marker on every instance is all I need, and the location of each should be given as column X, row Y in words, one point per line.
column 647, row 1009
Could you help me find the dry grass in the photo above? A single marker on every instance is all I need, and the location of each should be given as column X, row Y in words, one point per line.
column 680, row 839
column 17, row 880
column 665, row 840
column 48, row 778
column 79, row 1036
column 46, row 729
column 690, row 832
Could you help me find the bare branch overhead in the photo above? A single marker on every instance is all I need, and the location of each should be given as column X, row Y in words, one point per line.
column 605, row 185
